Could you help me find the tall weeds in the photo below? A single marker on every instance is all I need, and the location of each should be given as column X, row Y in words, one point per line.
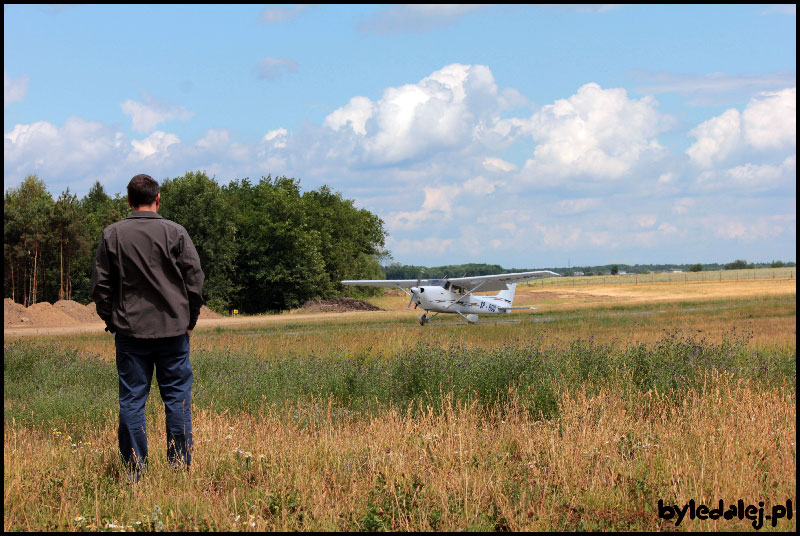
column 533, row 436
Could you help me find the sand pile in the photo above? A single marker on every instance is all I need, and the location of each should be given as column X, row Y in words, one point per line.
column 81, row 313
column 205, row 312
column 15, row 313
column 337, row 305
column 60, row 314
column 44, row 314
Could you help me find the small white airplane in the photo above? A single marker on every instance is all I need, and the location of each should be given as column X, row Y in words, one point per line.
column 456, row 295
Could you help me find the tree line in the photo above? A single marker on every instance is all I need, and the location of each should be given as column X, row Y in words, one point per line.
column 264, row 246
column 405, row 271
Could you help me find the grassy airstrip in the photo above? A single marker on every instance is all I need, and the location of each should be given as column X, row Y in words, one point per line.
column 578, row 416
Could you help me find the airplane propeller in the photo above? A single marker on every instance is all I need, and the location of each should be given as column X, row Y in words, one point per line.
column 419, row 280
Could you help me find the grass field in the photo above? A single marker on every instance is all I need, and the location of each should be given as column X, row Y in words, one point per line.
column 579, row 416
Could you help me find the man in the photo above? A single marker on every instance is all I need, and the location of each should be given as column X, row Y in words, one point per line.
column 147, row 284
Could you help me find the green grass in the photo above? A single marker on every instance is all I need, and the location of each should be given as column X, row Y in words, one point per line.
column 47, row 385
column 558, row 420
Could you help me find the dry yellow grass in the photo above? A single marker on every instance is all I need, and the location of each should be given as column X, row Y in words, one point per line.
column 602, row 465
column 650, row 293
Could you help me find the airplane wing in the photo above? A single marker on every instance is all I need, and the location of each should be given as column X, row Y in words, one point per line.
column 480, row 283
column 484, row 283
column 394, row 283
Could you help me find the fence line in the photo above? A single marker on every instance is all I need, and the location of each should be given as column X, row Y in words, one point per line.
column 669, row 277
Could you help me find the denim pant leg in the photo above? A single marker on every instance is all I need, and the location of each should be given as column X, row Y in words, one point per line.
column 135, row 369
column 174, row 375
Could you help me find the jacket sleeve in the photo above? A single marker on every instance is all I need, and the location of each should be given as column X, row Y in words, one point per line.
column 189, row 264
column 102, row 286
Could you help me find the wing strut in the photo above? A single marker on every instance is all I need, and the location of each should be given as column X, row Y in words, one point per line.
column 467, row 295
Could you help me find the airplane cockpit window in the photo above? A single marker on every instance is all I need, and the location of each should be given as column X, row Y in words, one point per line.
column 447, row 286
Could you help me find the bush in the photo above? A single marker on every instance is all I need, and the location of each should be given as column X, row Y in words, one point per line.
column 738, row 264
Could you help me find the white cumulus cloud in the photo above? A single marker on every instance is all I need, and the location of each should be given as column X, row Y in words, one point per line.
column 354, row 114
column 436, row 206
column 716, row 138
column 62, row 154
column 769, row 122
column 157, row 142
column 146, row 116
column 441, row 112
column 597, row 133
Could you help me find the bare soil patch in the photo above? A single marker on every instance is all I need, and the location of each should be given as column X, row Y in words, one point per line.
column 337, row 305
column 63, row 313
column 394, row 292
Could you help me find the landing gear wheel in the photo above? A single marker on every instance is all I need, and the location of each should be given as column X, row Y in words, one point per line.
column 423, row 319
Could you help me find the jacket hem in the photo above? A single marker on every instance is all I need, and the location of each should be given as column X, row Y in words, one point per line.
column 149, row 335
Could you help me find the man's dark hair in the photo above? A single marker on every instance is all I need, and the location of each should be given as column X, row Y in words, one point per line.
column 142, row 190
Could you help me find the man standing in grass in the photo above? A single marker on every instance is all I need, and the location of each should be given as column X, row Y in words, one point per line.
column 147, row 284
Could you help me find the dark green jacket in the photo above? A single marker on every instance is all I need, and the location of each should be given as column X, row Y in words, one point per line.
column 147, row 281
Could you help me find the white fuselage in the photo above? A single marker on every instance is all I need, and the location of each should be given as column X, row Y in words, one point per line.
column 441, row 300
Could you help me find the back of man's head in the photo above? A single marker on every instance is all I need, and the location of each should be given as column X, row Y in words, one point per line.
column 142, row 191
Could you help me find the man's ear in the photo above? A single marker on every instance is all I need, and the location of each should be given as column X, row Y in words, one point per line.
column 158, row 199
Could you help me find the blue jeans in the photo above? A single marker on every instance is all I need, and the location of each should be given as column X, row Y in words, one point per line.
column 135, row 361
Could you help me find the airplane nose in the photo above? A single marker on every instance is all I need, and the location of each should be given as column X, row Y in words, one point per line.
column 414, row 290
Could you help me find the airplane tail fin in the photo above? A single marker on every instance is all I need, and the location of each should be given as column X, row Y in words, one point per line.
column 508, row 294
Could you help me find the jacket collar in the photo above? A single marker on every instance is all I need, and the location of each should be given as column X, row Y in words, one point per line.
column 144, row 214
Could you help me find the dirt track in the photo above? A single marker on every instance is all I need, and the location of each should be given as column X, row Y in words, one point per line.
column 554, row 298
column 99, row 327
column 69, row 317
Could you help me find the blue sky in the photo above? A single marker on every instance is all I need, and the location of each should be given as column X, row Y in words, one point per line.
column 520, row 135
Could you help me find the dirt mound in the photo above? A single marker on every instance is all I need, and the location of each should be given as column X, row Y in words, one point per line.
column 205, row 312
column 15, row 313
column 44, row 314
column 60, row 314
column 81, row 313
column 337, row 305
column 394, row 292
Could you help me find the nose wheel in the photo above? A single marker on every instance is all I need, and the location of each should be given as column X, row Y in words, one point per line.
column 424, row 319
